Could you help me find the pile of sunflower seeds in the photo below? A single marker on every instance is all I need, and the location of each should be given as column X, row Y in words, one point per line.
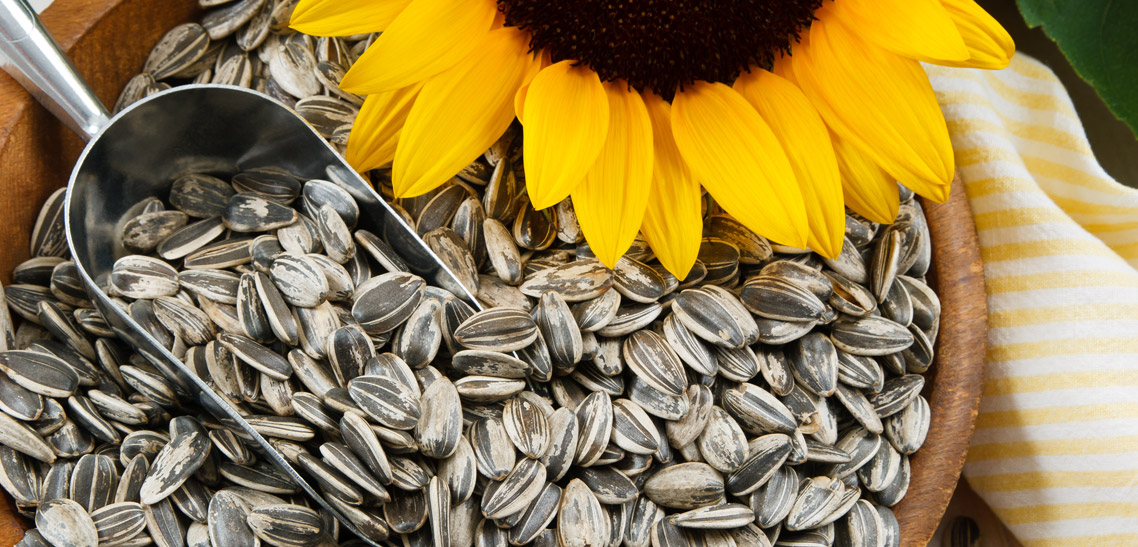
column 772, row 397
column 98, row 447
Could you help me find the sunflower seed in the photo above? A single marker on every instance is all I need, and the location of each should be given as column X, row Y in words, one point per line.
column 861, row 445
column 559, row 329
column 926, row 304
column 285, row 524
column 118, row 523
column 407, row 512
column 39, row 373
column 300, row 281
column 178, row 460
column 64, row 523
column 227, row 520
column 880, row 470
column 608, row 485
column 685, row 486
column 849, row 264
column 386, row 301
column 67, row 286
column 440, row 425
column 249, row 212
column 192, row 500
column 300, row 237
column 818, row 498
column 594, row 418
column 232, row 447
column 453, row 253
column 331, row 480
column 896, row 394
column 438, row 511
column 220, row 254
column 256, row 355
column 216, row 285
column 537, row 517
column 276, row 311
column 226, row 20
column 497, row 329
column 18, row 476
column 893, row 493
column 870, row 336
column 814, row 363
column 766, row 454
column 656, row 402
column 341, row 286
column 189, row 323
column 317, row 325
column 919, row 356
column 715, row 517
column 87, row 415
column 580, row 519
column 638, row 282
column 316, row 193
column 139, row 277
column 364, row 443
column 281, row 427
column 386, row 401
column 907, row 429
column 19, row 402
column 575, row 281
column 715, row 317
column 48, row 235
column 516, row 491
column 757, row 410
column 493, row 450
column 418, row 340
column 654, row 362
column 260, row 477
column 143, row 233
column 632, row 428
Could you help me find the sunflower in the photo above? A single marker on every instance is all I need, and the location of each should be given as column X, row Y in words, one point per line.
column 785, row 111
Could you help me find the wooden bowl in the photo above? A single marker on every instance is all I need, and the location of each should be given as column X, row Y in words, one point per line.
column 108, row 41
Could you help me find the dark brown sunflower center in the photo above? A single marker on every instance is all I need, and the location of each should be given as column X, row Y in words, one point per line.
column 660, row 45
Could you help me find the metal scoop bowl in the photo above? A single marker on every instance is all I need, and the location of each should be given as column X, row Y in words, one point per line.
column 138, row 153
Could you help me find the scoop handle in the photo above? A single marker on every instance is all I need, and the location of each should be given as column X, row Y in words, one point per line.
column 35, row 60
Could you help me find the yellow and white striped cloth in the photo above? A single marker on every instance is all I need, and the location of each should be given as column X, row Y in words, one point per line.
column 1055, row 452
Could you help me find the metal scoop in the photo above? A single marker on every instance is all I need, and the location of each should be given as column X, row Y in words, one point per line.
column 141, row 150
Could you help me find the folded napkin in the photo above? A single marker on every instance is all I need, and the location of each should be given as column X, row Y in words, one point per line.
column 1055, row 452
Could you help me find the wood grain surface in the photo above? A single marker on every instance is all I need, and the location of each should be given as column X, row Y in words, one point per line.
column 108, row 40
column 953, row 389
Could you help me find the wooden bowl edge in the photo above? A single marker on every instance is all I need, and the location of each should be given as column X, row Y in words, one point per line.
column 961, row 350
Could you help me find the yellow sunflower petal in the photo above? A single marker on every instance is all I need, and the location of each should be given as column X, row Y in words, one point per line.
column 566, row 120
column 475, row 99
column 426, row 39
column 881, row 102
column 345, row 17
column 375, row 132
column 868, row 190
column 520, row 97
column 990, row 46
column 918, row 29
column 672, row 221
column 733, row 152
column 610, row 201
column 806, row 141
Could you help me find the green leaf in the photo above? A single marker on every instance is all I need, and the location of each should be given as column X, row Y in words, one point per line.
column 1100, row 40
